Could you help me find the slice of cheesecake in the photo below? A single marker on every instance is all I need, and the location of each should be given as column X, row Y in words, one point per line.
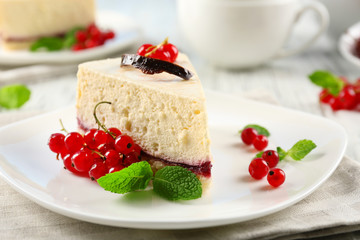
column 164, row 114
column 24, row 21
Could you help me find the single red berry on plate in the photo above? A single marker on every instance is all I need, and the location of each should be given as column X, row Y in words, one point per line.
column 74, row 142
column 124, row 144
column 276, row 177
column 56, row 142
column 83, row 160
column 271, row 157
column 68, row 164
column 143, row 49
column 260, row 142
column 81, row 36
column 258, row 168
column 113, row 158
column 98, row 170
column 131, row 158
column 172, row 50
column 248, row 135
column 116, row 168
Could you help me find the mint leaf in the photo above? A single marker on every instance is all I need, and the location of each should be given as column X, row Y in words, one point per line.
column 260, row 130
column 259, row 154
column 135, row 177
column 14, row 96
column 177, row 183
column 282, row 153
column 70, row 38
column 47, row 43
column 328, row 81
column 301, row 149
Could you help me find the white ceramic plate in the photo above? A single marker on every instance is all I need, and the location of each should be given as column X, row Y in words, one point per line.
column 27, row 164
column 347, row 42
column 126, row 34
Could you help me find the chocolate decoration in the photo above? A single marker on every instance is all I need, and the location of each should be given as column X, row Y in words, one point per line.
column 153, row 66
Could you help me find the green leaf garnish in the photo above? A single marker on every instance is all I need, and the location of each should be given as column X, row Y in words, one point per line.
column 301, row 149
column 328, row 81
column 177, row 183
column 282, row 153
column 70, row 38
column 135, row 177
column 260, row 130
column 47, row 43
column 14, row 96
column 259, row 154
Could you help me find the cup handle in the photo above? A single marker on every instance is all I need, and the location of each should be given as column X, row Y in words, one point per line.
column 322, row 12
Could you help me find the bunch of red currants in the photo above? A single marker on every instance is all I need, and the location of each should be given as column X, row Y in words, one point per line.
column 95, row 153
column 164, row 51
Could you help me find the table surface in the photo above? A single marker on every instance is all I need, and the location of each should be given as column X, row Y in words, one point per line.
column 286, row 78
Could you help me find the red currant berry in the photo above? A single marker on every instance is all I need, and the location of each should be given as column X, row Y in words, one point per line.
column 248, row 135
column 74, row 142
column 144, row 49
column 276, row 177
column 91, row 43
column 98, row 170
column 325, row 96
column 161, row 55
column 137, row 149
column 100, row 137
column 77, row 47
column 80, row 36
column 56, row 142
column 131, row 158
column 113, row 158
column 172, row 50
column 335, row 103
column 258, row 168
column 124, row 144
column 104, row 148
column 348, row 97
column 109, row 35
column 114, row 131
column 260, row 142
column 83, row 160
column 89, row 138
column 271, row 157
column 68, row 164
column 116, row 168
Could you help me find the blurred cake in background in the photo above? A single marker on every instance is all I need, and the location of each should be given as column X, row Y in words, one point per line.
column 22, row 22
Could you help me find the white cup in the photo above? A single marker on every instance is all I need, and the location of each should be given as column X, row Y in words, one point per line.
column 244, row 33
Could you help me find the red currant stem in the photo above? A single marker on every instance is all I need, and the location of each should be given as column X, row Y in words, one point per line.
column 63, row 128
column 157, row 47
column 57, row 156
column 99, row 123
column 99, row 153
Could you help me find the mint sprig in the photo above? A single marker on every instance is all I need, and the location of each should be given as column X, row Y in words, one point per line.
column 177, row 183
column 171, row 182
column 260, row 130
column 135, row 177
column 14, row 96
column 56, row 43
column 328, row 81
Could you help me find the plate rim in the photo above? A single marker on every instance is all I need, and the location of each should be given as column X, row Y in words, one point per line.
column 177, row 224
